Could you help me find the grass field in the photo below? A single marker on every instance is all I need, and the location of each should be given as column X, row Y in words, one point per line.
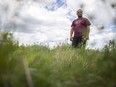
column 63, row 66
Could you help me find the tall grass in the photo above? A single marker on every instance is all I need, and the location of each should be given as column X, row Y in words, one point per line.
column 63, row 66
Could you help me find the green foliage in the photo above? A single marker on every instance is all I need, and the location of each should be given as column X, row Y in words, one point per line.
column 63, row 66
column 7, row 47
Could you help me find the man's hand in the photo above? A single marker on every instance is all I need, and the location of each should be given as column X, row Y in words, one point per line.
column 71, row 38
column 86, row 37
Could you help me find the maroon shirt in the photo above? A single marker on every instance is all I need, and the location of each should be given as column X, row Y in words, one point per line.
column 79, row 25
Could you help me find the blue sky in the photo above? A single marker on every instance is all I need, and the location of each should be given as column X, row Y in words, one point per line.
column 56, row 5
column 48, row 21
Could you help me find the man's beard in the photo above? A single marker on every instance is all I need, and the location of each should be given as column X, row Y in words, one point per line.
column 79, row 16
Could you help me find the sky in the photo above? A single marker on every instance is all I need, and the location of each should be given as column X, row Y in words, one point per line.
column 48, row 22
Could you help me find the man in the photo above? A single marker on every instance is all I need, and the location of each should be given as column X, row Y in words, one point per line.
column 80, row 28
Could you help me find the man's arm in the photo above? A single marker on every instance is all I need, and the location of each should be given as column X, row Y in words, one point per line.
column 71, row 34
column 88, row 31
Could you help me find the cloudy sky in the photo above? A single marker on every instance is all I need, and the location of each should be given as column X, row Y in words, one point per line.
column 49, row 21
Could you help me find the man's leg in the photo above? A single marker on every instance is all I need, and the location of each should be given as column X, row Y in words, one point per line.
column 84, row 42
column 80, row 40
column 77, row 41
column 74, row 42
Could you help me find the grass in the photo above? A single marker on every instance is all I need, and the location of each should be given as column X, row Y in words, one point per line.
column 62, row 66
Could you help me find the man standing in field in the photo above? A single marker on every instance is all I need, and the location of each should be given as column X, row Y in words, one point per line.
column 81, row 28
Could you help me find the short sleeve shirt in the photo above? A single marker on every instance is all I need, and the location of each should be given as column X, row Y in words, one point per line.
column 79, row 25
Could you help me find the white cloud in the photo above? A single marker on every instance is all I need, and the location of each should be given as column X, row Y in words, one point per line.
column 99, row 38
column 53, row 26
column 43, row 3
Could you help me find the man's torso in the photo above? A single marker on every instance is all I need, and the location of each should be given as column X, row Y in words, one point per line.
column 79, row 25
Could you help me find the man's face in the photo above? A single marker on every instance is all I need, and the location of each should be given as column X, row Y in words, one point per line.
column 79, row 13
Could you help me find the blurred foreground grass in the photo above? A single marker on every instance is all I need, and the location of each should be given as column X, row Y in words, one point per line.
column 59, row 67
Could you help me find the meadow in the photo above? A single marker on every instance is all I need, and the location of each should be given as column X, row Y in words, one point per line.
column 64, row 66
